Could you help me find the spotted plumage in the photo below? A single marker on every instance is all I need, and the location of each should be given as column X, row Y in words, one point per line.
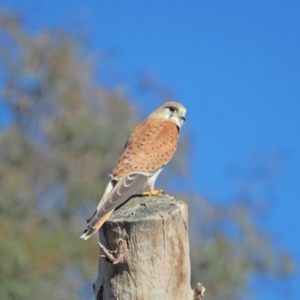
column 148, row 149
column 149, row 152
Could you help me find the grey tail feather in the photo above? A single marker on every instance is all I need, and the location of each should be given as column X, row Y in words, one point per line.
column 88, row 233
column 88, row 220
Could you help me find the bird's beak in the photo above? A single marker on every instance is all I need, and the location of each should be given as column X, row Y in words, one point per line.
column 181, row 114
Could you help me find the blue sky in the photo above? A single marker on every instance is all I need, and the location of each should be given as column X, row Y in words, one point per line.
column 235, row 65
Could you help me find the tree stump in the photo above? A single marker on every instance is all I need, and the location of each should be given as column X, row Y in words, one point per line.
column 151, row 261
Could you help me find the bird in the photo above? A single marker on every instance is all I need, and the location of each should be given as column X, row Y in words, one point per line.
column 150, row 146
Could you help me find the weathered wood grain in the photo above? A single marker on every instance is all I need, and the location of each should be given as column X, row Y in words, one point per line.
column 157, row 263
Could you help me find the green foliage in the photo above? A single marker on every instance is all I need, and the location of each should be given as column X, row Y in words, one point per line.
column 65, row 135
column 55, row 159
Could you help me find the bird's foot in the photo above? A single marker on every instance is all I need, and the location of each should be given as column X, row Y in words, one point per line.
column 117, row 256
column 153, row 193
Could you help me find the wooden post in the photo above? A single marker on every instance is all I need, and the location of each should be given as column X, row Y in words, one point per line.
column 151, row 258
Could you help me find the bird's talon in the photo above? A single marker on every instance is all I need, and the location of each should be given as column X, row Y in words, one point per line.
column 153, row 193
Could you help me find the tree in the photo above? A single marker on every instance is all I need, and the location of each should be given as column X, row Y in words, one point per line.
column 56, row 153
column 64, row 135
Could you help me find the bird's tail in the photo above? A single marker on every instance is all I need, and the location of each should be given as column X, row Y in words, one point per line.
column 94, row 224
column 88, row 232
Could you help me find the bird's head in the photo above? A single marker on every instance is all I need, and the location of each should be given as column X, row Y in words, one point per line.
column 173, row 111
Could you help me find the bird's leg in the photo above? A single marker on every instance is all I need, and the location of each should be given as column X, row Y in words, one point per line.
column 153, row 193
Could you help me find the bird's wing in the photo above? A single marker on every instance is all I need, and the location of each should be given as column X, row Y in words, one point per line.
column 123, row 189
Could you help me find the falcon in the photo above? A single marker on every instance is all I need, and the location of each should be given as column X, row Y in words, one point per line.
column 148, row 149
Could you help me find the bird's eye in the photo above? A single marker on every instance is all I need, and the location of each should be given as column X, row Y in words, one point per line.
column 172, row 108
